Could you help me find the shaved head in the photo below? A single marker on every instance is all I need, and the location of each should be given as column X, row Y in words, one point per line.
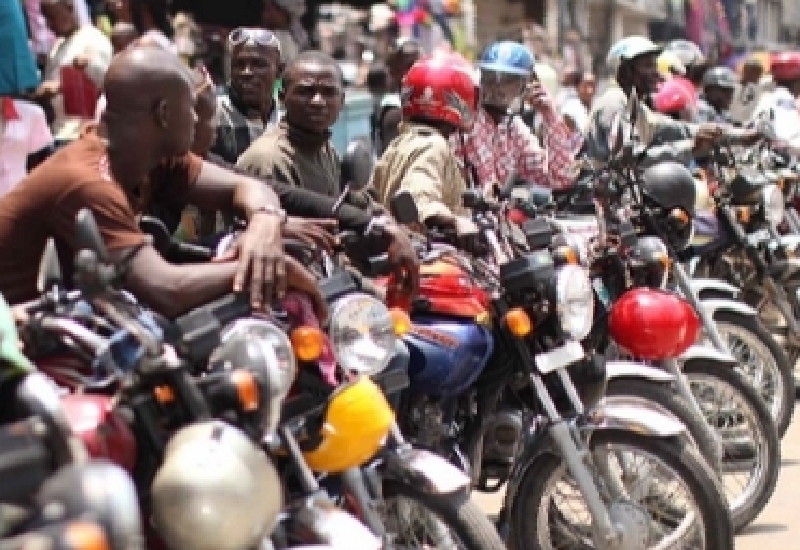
column 150, row 101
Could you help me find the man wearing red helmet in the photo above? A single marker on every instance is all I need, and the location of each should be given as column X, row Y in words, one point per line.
column 439, row 97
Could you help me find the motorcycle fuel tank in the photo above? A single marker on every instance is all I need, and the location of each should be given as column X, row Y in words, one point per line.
column 102, row 430
column 447, row 354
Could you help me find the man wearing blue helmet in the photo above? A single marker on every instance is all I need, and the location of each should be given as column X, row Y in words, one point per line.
column 500, row 145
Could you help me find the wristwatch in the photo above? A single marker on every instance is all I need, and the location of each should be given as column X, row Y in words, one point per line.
column 273, row 211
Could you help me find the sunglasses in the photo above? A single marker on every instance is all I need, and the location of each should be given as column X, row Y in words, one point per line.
column 260, row 37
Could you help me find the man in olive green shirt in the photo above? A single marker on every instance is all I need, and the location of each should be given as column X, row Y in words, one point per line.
column 298, row 151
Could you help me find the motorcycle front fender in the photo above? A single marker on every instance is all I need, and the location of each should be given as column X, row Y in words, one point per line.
column 632, row 369
column 424, row 471
column 634, row 414
column 330, row 526
column 785, row 272
column 715, row 305
column 708, row 353
column 701, row 284
column 625, row 413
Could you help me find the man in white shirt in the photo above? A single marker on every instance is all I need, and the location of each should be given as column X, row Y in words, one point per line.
column 25, row 140
column 79, row 45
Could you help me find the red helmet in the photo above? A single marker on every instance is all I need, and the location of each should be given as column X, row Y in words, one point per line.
column 441, row 88
column 785, row 65
column 653, row 324
column 675, row 96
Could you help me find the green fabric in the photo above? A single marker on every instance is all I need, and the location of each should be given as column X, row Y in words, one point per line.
column 12, row 361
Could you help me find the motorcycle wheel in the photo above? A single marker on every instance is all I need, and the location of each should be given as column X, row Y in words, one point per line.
column 712, row 528
column 665, row 396
column 774, row 377
column 731, row 388
column 455, row 511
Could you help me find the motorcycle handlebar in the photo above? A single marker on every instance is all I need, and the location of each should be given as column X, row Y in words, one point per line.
column 60, row 536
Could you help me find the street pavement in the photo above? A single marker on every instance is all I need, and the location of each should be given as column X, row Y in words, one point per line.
column 778, row 526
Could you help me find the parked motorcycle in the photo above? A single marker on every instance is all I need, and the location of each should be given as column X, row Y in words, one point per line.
column 538, row 313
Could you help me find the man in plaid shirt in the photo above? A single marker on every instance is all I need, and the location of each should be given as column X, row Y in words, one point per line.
column 501, row 145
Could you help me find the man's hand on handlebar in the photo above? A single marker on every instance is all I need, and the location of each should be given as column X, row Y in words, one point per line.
column 402, row 256
column 260, row 253
column 707, row 136
column 312, row 232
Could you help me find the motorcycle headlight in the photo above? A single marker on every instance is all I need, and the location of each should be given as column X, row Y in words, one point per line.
column 574, row 301
column 362, row 334
column 772, row 200
column 260, row 346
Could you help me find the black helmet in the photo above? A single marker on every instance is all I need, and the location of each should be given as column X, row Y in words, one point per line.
column 722, row 77
column 670, row 185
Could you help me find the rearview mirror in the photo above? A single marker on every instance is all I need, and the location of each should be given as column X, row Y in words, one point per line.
column 49, row 268
column 162, row 240
column 357, row 163
column 88, row 234
column 404, row 209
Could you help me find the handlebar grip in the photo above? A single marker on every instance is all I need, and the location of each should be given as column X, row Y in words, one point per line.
column 194, row 251
column 25, row 461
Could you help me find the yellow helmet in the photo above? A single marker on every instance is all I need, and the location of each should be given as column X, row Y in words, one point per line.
column 357, row 421
column 670, row 65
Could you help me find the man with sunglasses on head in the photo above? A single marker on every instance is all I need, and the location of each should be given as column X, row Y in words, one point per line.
column 500, row 144
column 249, row 108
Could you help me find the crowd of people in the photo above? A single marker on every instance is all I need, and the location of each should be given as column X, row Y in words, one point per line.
column 121, row 125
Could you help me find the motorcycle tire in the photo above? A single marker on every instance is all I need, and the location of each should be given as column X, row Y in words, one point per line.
column 666, row 396
column 678, row 454
column 744, row 512
column 457, row 511
column 783, row 409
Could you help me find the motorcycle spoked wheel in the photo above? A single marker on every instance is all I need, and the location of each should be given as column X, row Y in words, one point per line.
column 774, row 377
column 532, row 525
column 666, row 396
column 746, row 504
column 456, row 512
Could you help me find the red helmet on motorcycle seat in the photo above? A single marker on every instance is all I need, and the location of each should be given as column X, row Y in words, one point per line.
column 785, row 65
column 674, row 96
column 441, row 88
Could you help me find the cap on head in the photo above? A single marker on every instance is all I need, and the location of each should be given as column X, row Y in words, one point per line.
column 688, row 52
column 508, row 57
column 722, row 77
column 628, row 49
column 785, row 66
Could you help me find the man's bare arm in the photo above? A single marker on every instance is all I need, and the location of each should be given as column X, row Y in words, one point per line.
column 218, row 188
column 175, row 289
column 390, row 125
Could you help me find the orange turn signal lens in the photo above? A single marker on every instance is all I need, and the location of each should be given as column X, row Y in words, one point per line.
column 666, row 261
column 400, row 321
column 518, row 322
column 566, row 254
column 679, row 214
column 742, row 214
column 164, row 394
column 83, row 535
column 246, row 388
column 307, row 343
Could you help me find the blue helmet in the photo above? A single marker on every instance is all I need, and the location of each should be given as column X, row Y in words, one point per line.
column 508, row 57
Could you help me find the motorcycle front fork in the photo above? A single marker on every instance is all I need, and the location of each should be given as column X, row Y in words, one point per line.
column 685, row 391
column 575, row 457
column 709, row 326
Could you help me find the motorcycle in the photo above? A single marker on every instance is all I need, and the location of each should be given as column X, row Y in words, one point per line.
column 535, row 341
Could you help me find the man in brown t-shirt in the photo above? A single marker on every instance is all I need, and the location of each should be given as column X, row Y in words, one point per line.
column 118, row 170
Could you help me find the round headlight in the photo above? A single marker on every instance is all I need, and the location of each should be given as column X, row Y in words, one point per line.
column 574, row 301
column 362, row 334
column 260, row 345
column 773, row 204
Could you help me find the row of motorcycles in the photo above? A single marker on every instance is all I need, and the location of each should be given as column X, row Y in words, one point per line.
column 619, row 375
